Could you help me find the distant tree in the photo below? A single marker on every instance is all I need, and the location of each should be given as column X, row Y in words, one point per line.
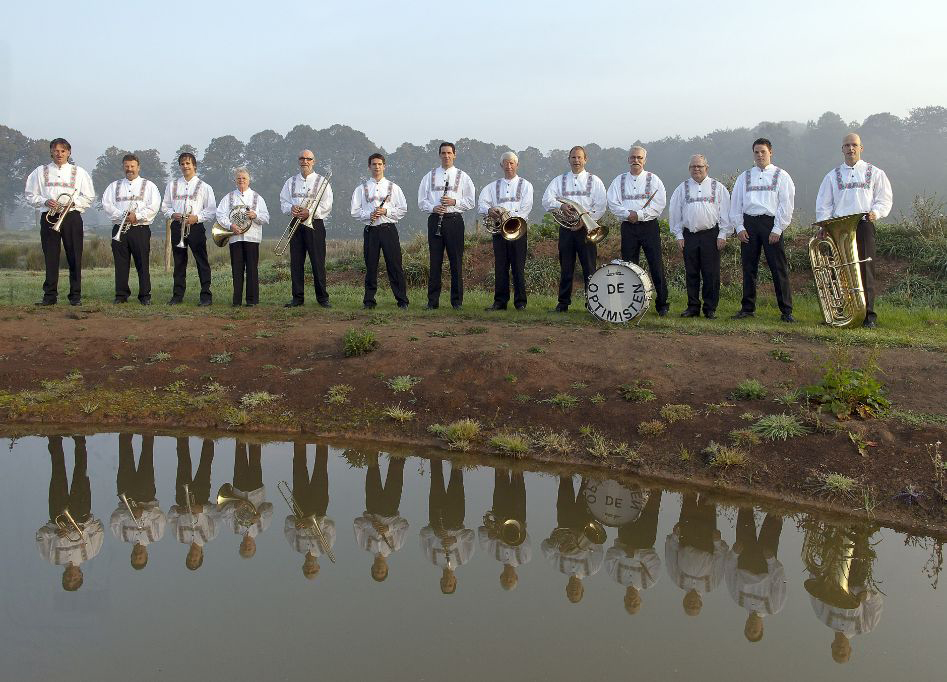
column 221, row 157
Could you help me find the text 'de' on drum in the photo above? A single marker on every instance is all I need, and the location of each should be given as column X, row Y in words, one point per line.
column 619, row 292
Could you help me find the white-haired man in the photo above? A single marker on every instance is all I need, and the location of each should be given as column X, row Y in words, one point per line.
column 513, row 194
column 244, row 247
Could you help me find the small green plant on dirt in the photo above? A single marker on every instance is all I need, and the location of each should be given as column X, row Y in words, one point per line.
column 749, row 389
column 536, row 349
column 790, row 396
column 602, row 448
column 651, row 428
column 338, row 394
column 160, row 356
column 515, row 444
column 554, row 441
column 510, row 378
column 234, row 417
column 745, row 438
column 684, row 454
column 357, row 342
column 402, row 383
column 777, row 339
column 564, row 401
column 835, row 484
column 781, row 355
column 779, row 426
column 398, row 414
column 441, row 333
column 676, row 413
column 126, row 368
column 70, row 350
column 264, row 334
column 475, row 330
column 724, row 456
column 180, row 369
column 749, row 416
column 716, row 408
column 522, row 398
column 860, row 443
column 847, row 391
column 940, row 469
column 459, row 434
column 918, row 419
column 130, row 338
column 597, row 399
column 89, row 407
column 255, row 399
column 221, row 358
column 638, row 391
column 578, row 385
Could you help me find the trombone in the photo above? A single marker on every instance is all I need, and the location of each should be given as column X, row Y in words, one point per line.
column 131, row 505
column 63, row 521
column 123, row 227
column 311, row 204
column 303, row 521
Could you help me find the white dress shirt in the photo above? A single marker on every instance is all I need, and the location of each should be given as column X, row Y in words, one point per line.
column 640, row 568
column 763, row 594
column 502, row 552
column 700, row 207
column 846, row 190
column 370, row 194
column 194, row 195
column 455, row 554
column 585, row 189
column 120, row 194
column 459, row 187
column 125, row 527
column 304, row 540
column 850, row 622
column 297, row 190
column 763, row 192
column 370, row 539
column 49, row 181
column 264, row 509
column 581, row 562
column 63, row 551
column 203, row 530
column 694, row 569
column 514, row 195
column 255, row 203
column 629, row 193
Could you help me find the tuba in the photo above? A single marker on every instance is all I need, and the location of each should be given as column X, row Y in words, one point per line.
column 511, row 227
column 244, row 511
column 828, row 553
column 239, row 223
column 835, row 266
column 572, row 216
column 55, row 216
column 510, row 532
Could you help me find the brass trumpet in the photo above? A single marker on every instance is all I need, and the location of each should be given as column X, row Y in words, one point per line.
column 64, row 520
column 244, row 511
column 303, row 521
column 123, row 227
column 55, row 216
column 311, row 203
column 511, row 532
column 511, row 227
column 573, row 216
column 185, row 227
column 131, row 505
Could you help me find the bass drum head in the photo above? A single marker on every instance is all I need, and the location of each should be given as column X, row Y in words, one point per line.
column 619, row 292
column 613, row 504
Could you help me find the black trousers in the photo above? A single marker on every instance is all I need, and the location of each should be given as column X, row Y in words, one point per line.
column 197, row 241
column 571, row 511
column 312, row 494
column 384, row 500
column 200, row 483
column 312, row 243
column 77, row 498
column 69, row 238
column 643, row 531
column 446, row 505
column 247, row 467
column 384, row 239
column 751, row 556
column 245, row 260
column 698, row 521
column 646, row 235
column 509, row 495
column 507, row 256
column 758, row 228
column 865, row 240
column 452, row 241
column 702, row 262
column 572, row 244
column 138, row 484
column 134, row 244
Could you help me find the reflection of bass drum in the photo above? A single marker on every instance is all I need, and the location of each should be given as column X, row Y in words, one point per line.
column 619, row 292
column 613, row 504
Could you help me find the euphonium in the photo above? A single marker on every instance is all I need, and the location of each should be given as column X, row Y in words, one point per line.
column 510, row 531
column 55, row 216
column 573, row 216
column 244, row 511
column 835, row 267
column 239, row 223
column 311, row 203
column 511, row 227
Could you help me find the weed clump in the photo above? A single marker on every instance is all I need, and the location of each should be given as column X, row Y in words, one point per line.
column 403, row 383
column 835, row 484
column 458, row 434
column 554, row 441
column 779, row 426
column 745, row 438
column 564, row 401
column 338, row 394
column 221, row 358
column 676, row 413
column 651, row 428
column 234, row 417
column 256, row 399
column 724, row 456
column 846, row 391
column 749, row 389
column 515, row 444
column 638, row 391
column 398, row 414
column 357, row 342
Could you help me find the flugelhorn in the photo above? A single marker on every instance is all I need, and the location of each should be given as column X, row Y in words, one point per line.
column 185, row 227
column 510, row 531
column 55, row 216
column 510, row 226
column 131, row 505
column 303, row 521
column 123, row 227
column 837, row 272
column 244, row 511
column 239, row 223
column 573, row 216
column 64, row 520
column 311, row 204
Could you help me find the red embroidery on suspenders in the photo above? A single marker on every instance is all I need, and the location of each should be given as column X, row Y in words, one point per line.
column 368, row 199
column 301, row 195
column 187, row 197
column 510, row 199
column 763, row 188
column 72, row 178
column 256, row 199
column 712, row 199
column 577, row 193
column 853, row 185
column 636, row 197
column 130, row 197
column 441, row 188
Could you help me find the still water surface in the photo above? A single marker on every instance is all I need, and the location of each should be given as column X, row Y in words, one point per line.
column 596, row 580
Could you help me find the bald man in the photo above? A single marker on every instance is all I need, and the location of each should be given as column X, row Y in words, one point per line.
column 856, row 186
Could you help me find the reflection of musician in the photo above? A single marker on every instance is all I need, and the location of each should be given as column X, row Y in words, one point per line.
column 43, row 187
column 70, row 544
column 857, row 187
column 632, row 561
column 248, row 485
column 445, row 541
column 694, row 552
column 381, row 530
column 588, row 191
column 514, row 194
column 146, row 522
column 193, row 518
column 244, row 248
column 312, row 496
column 568, row 548
column 755, row 577
column 142, row 201
column 509, row 502
column 189, row 200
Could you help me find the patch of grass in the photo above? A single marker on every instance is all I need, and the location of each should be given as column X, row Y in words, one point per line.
column 536, row 349
column 716, row 408
column 235, row 417
column 651, row 428
column 403, row 383
column 126, row 368
column 745, row 438
column 749, row 389
column 398, row 414
column 836, row 484
column 790, row 396
column 638, row 391
column 255, row 399
column 918, row 419
column 130, row 338
column 564, row 401
column 264, row 334
column 554, row 441
column 89, row 407
column 160, row 356
column 724, row 456
column 940, row 469
column 602, row 448
column 522, row 398
column 777, row 339
column 221, row 358
column 459, row 434
column 511, row 378
column 684, row 454
column 675, row 413
column 180, row 369
column 597, row 399
column 847, row 391
column 441, row 333
column 578, row 385
column 779, row 426
column 357, row 342
column 295, row 371
column 338, row 394
column 475, row 330
column 781, row 355
column 515, row 444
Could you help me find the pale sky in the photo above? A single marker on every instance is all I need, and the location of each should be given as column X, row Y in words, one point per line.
column 518, row 73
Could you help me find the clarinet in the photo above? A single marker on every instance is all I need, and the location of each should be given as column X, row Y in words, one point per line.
column 440, row 220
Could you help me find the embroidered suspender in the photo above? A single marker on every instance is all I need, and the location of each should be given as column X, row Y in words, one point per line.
column 636, row 197
column 509, row 199
column 853, row 185
column 296, row 195
column 456, row 181
column 577, row 193
column 256, row 199
column 131, row 197
column 763, row 188
column 72, row 179
column 712, row 199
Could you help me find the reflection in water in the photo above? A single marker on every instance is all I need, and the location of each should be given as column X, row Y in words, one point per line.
column 695, row 552
column 446, row 541
column 632, row 560
column 138, row 519
column 192, row 517
column 575, row 546
column 503, row 535
column 246, row 511
column 312, row 496
column 755, row 577
column 381, row 530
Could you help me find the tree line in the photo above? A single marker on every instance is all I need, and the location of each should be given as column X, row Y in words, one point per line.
column 910, row 149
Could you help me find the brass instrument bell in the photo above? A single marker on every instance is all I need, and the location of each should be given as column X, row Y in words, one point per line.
column 510, row 531
column 244, row 511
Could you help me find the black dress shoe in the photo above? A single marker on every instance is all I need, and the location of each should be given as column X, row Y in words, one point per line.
column 520, row 306
column 662, row 312
column 119, row 300
column 743, row 313
column 147, row 301
column 75, row 303
column 204, row 304
column 690, row 313
column 560, row 309
column 368, row 306
column 174, row 301
column 325, row 304
column 787, row 317
column 45, row 303
column 249, row 305
column 430, row 306
column 402, row 305
column 495, row 306
column 293, row 304
column 456, row 306
column 870, row 324
column 710, row 315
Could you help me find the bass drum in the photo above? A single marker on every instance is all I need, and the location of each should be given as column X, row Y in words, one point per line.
column 612, row 503
column 619, row 292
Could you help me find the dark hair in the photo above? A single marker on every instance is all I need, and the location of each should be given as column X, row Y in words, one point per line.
column 131, row 157
column 187, row 155
column 374, row 156
column 446, row 144
column 763, row 140
column 578, row 146
column 60, row 141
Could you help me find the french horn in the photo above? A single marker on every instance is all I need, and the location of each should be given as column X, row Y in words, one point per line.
column 509, row 531
column 239, row 223
column 244, row 511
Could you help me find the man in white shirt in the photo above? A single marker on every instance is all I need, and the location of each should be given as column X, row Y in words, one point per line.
column 446, row 541
column 248, row 486
column 760, row 209
column 193, row 518
column 244, row 247
column 857, row 187
column 445, row 193
column 381, row 529
column 45, row 186
column 189, row 202
column 145, row 523
column 297, row 198
column 699, row 218
column 134, row 201
column 379, row 204
column 694, row 552
column 588, row 191
column 513, row 194
column 638, row 198
column 312, row 496
column 509, row 504
column 632, row 560
column 569, row 548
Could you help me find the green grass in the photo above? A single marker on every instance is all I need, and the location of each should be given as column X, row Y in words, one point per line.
column 564, row 401
column 723, row 456
column 749, row 389
column 257, row 399
column 675, row 413
column 398, row 414
column 836, row 484
column 338, row 394
column 638, row 391
column 779, row 426
column 403, row 383
column 515, row 444
column 357, row 342
column 652, row 427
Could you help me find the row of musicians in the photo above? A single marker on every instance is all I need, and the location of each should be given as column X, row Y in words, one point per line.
column 696, row 556
column 702, row 215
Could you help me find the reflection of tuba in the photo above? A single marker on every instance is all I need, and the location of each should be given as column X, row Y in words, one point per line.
column 511, row 227
column 828, row 553
column 572, row 216
column 835, row 266
column 244, row 511
column 510, row 532
column 239, row 223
